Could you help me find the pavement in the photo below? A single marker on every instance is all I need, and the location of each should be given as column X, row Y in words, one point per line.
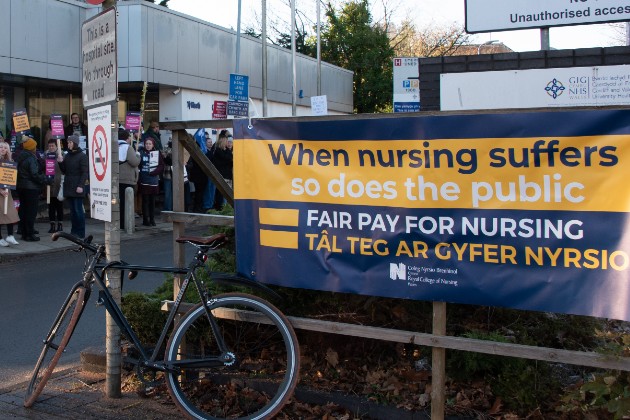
column 93, row 227
column 77, row 393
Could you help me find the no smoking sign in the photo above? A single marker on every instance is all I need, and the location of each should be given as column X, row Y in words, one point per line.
column 100, row 152
column 101, row 164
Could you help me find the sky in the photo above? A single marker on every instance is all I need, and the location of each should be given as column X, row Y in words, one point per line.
column 423, row 13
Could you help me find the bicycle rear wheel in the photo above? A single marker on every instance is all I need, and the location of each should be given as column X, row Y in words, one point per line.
column 55, row 343
column 257, row 383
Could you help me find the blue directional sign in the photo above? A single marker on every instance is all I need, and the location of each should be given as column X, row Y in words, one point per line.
column 239, row 88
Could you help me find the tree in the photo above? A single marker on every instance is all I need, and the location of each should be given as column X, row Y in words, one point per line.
column 408, row 41
column 304, row 40
column 351, row 41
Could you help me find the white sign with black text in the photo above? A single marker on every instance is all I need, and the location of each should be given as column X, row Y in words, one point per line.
column 538, row 88
column 506, row 15
column 99, row 59
column 100, row 158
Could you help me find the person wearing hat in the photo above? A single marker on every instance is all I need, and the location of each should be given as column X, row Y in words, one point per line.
column 30, row 181
column 74, row 166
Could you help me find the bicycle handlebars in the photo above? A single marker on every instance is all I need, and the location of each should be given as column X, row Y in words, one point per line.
column 83, row 243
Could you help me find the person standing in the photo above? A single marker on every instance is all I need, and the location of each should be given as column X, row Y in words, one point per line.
column 75, row 128
column 74, row 166
column 151, row 166
column 208, row 195
column 154, row 133
column 199, row 180
column 129, row 160
column 55, row 206
column 167, row 177
column 30, row 181
column 11, row 216
column 223, row 161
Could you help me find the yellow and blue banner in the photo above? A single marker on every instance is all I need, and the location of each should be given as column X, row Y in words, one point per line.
column 524, row 210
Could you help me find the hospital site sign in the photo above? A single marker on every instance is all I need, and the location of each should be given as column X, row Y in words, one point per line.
column 522, row 210
column 99, row 59
column 505, row 15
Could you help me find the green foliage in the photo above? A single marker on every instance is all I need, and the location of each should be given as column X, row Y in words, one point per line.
column 464, row 365
column 605, row 392
column 522, row 384
column 144, row 314
column 350, row 40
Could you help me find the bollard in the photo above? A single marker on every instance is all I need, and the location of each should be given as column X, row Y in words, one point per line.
column 130, row 223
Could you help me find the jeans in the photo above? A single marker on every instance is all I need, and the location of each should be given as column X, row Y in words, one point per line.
column 168, row 195
column 208, row 195
column 77, row 216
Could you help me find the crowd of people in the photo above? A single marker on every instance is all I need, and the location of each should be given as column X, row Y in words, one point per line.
column 145, row 166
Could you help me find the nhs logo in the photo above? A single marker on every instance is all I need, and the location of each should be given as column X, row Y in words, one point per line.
column 397, row 271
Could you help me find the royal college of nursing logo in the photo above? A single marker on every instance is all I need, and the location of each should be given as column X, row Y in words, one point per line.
column 397, row 271
column 554, row 88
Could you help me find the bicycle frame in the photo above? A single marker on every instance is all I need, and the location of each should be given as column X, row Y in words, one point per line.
column 107, row 300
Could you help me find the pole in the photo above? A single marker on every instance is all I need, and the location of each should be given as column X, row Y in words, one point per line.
column 544, row 39
column 238, row 37
column 293, row 64
column 263, row 37
column 438, row 364
column 319, row 53
column 112, row 247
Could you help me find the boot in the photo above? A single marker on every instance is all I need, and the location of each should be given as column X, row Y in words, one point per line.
column 145, row 222
column 59, row 227
column 52, row 228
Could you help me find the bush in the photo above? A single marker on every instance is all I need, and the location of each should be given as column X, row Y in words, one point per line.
column 145, row 316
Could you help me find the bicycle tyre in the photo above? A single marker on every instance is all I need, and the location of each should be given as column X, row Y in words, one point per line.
column 261, row 379
column 56, row 341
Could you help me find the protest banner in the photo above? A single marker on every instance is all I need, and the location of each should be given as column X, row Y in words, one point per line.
column 521, row 210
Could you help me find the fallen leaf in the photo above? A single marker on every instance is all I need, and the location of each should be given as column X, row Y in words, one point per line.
column 332, row 357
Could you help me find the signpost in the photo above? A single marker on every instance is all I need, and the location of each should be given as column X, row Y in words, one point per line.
column 238, row 97
column 100, row 88
column 406, row 85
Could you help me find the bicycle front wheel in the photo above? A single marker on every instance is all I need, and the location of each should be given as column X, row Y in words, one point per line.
column 55, row 343
column 257, row 382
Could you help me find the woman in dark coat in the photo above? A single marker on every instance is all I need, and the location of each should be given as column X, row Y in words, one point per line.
column 30, row 181
column 74, row 165
column 151, row 166
column 222, row 159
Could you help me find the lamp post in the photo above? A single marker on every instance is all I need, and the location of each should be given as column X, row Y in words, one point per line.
column 492, row 41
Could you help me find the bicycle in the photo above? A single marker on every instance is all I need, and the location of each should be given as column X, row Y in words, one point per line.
column 232, row 355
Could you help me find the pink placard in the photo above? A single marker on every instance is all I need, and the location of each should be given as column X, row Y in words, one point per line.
column 50, row 167
column 56, row 126
column 219, row 110
column 132, row 121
